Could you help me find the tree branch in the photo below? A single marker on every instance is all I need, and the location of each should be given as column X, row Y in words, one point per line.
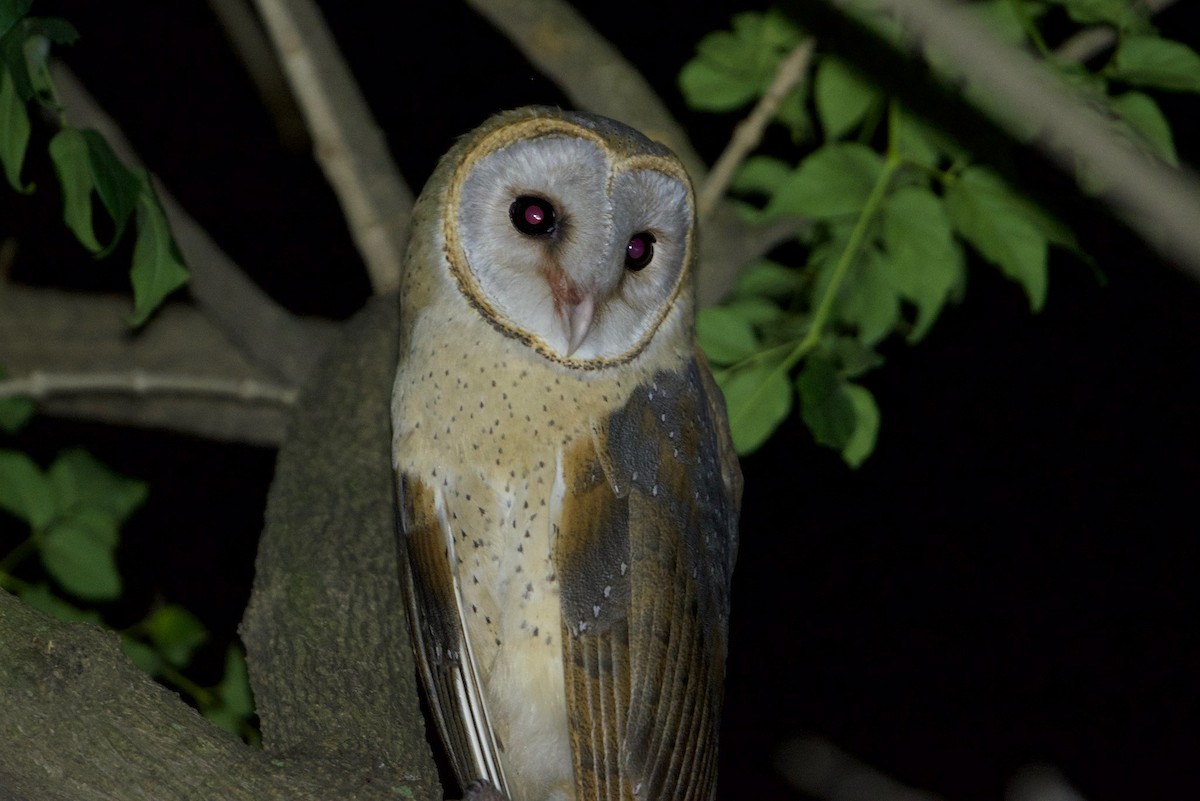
column 44, row 329
column 40, row 385
column 249, row 42
column 819, row 768
column 1161, row 204
column 83, row 724
column 326, row 637
column 348, row 143
column 281, row 345
column 591, row 72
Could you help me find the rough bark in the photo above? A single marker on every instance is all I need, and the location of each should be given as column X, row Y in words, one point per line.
column 326, row 639
column 325, row 633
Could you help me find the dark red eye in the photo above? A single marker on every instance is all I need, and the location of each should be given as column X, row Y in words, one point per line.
column 639, row 251
column 532, row 215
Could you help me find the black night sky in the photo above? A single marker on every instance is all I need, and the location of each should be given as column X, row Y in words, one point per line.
column 1009, row 579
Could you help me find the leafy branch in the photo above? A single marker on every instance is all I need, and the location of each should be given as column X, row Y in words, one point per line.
column 886, row 252
column 83, row 161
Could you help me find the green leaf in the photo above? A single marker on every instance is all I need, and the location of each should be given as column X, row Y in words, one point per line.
column 142, row 655
column 866, row 424
column 823, row 408
column 854, row 357
column 14, row 132
column 157, row 266
column 11, row 11
column 1001, row 18
column 756, row 311
column 94, row 524
column 41, row 598
column 81, row 564
column 1157, row 62
column 15, row 414
column 725, row 336
column 68, row 151
column 924, row 261
column 119, row 187
column 758, row 399
column 832, row 181
column 842, row 97
column 176, row 633
column 234, row 689
column 913, row 139
column 867, row 299
column 841, row 415
column 55, row 29
column 793, row 113
column 82, row 482
column 760, row 175
column 707, row 87
column 1121, row 14
column 1147, row 119
column 1002, row 227
column 732, row 68
column 768, row 279
column 25, row 491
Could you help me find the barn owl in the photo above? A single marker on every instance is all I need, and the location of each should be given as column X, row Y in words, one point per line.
column 567, row 490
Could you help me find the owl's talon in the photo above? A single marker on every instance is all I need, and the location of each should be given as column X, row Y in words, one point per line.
column 482, row 790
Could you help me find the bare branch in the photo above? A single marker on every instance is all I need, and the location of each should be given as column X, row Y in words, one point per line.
column 280, row 345
column 249, row 42
column 1021, row 95
column 820, row 768
column 42, row 329
column 40, row 385
column 749, row 132
column 589, row 70
column 1040, row 783
column 348, row 143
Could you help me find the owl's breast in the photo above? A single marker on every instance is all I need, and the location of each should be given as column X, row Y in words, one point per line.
column 486, row 426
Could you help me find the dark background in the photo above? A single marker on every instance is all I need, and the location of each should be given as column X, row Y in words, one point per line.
column 1008, row 579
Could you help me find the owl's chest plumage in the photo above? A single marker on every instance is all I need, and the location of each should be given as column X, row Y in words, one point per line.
column 485, row 422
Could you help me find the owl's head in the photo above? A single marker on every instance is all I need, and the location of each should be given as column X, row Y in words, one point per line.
column 570, row 232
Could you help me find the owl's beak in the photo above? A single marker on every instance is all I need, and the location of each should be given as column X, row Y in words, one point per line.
column 577, row 320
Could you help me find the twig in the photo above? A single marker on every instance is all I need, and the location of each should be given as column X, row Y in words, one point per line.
column 277, row 342
column 348, row 143
column 40, row 384
column 749, row 132
column 1091, row 41
column 1040, row 783
column 1021, row 95
column 249, row 42
column 820, row 768
column 71, row 332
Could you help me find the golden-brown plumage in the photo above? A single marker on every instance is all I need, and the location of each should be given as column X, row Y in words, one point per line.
column 568, row 494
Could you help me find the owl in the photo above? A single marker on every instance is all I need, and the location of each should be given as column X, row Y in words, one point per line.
column 567, row 490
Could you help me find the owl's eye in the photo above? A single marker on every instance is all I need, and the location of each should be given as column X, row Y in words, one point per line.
column 639, row 251
column 532, row 215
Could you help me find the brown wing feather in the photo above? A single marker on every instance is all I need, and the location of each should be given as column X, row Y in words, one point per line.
column 648, row 539
column 439, row 640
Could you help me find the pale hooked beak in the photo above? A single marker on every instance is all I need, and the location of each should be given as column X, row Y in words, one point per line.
column 577, row 320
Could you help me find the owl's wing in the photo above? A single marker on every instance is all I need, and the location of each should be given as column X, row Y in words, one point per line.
column 645, row 555
column 443, row 652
